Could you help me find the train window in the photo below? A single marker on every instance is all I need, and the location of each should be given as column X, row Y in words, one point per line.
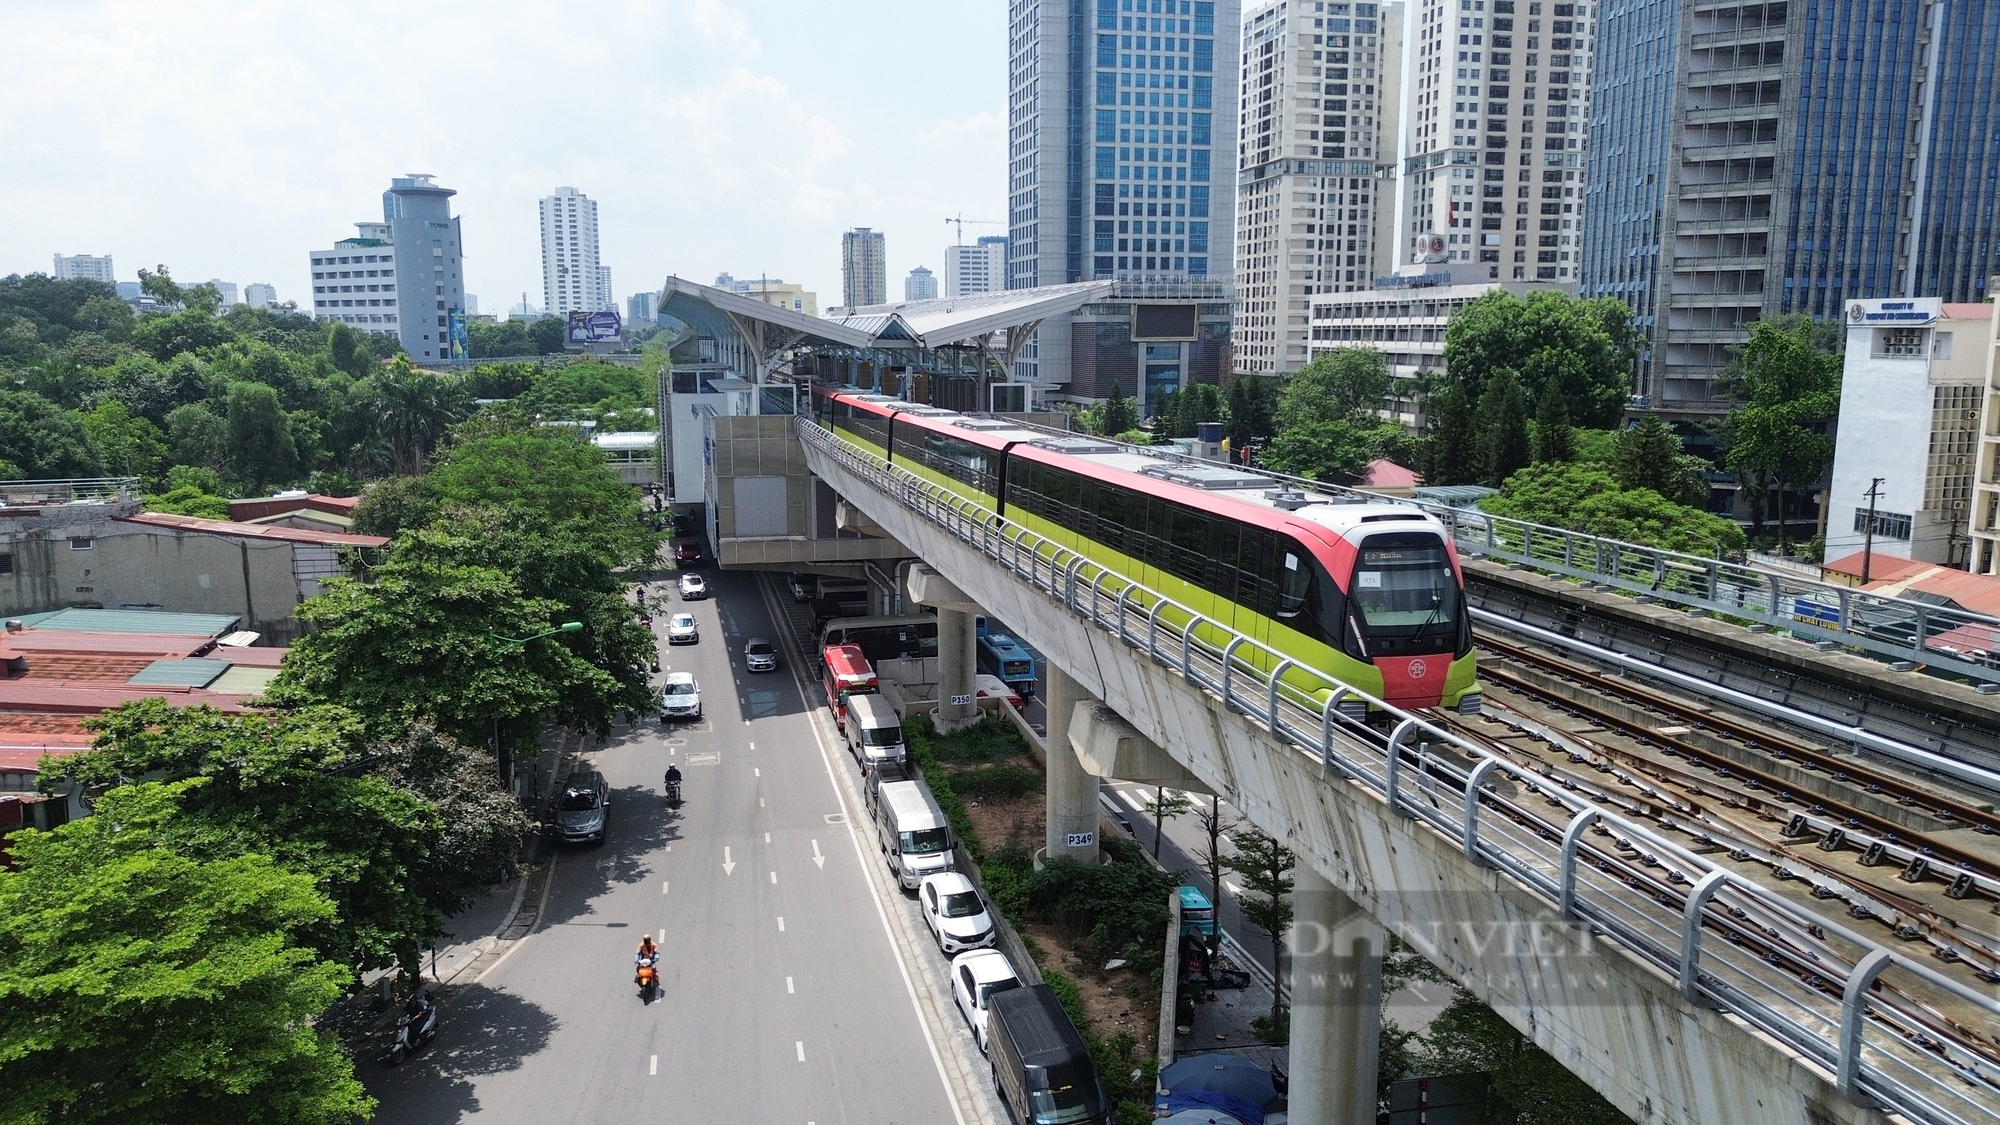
column 1190, row 542
column 1294, row 583
column 1113, row 505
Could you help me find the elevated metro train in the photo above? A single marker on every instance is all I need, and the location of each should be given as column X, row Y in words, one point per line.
column 1369, row 594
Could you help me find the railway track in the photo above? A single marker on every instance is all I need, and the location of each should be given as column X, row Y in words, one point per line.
column 1826, row 829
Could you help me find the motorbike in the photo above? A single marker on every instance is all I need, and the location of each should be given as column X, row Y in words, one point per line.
column 648, row 978
column 673, row 794
column 414, row 1031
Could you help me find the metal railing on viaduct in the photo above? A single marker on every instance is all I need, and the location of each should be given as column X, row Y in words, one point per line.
column 1867, row 1018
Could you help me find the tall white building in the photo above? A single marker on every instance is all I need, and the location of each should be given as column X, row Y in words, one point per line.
column 260, row 295
column 979, row 268
column 227, row 289
column 1316, row 86
column 920, row 285
column 89, row 267
column 1497, row 112
column 403, row 276
column 573, row 279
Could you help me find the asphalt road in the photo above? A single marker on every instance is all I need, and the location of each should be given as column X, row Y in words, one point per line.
column 785, row 999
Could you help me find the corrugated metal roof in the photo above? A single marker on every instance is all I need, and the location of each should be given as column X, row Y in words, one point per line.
column 254, row 530
column 241, row 679
column 195, row 673
column 155, row 621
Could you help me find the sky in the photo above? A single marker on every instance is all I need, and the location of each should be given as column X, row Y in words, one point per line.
column 227, row 140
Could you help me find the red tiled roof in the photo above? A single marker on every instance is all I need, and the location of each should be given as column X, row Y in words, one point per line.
column 1978, row 593
column 259, row 507
column 255, row 530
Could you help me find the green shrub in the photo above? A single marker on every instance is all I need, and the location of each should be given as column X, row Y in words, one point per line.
column 984, row 741
column 1067, row 995
column 1006, row 873
column 996, row 783
column 1117, row 909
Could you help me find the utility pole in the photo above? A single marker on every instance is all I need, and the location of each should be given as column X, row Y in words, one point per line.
column 1868, row 532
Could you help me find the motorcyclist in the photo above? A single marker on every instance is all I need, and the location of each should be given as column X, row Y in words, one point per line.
column 648, row 955
column 673, row 779
column 417, row 1005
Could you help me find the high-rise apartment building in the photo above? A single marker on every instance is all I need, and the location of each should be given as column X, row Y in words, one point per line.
column 573, row 279
column 1315, row 85
column 90, row 267
column 403, row 276
column 920, row 285
column 864, row 271
column 642, row 308
column 260, row 295
column 1757, row 159
column 979, row 268
column 227, row 289
column 1116, row 110
column 1496, row 135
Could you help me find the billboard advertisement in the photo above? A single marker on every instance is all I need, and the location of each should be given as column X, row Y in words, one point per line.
column 594, row 327
column 461, row 345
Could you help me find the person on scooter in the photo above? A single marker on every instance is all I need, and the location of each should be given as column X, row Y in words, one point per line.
column 648, row 955
column 673, row 780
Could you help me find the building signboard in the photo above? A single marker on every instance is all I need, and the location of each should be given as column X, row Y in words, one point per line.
column 460, row 343
column 1906, row 311
column 594, row 327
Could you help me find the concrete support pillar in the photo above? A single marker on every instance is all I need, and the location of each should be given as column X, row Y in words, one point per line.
column 958, row 706
column 1336, row 1005
column 1072, row 789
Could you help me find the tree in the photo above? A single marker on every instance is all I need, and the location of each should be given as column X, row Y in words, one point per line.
column 126, row 446
column 261, row 450
column 42, row 440
column 1216, row 825
column 505, row 338
column 1450, row 449
column 1586, row 497
column 191, row 491
column 1792, row 390
column 1346, row 384
column 394, row 503
column 481, row 823
column 549, row 335
column 1335, row 451
column 1649, row 455
column 191, row 330
column 1164, row 807
column 160, row 286
column 204, row 297
column 1266, row 867
column 197, row 436
column 1186, row 409
column 291, row 786
column 1503, row 428
column 1530, row 1085
column 109, row 317
column 1554, row 439
column 415, row 409
column 1590, row 346
column 140, row 984
column 1249, row 412
column 559, row 480
column 344, row 347
column 1118, row 415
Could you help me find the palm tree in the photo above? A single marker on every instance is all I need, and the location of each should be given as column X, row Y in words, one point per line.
column 414, row 410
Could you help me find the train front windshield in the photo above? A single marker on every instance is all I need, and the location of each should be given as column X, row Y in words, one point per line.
column 1404, row 587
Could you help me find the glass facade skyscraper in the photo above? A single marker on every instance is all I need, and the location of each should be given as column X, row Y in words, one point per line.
column 1754, row 159
column 1116, row 110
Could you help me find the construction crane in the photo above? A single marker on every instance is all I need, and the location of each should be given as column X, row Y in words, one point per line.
column 960, row 220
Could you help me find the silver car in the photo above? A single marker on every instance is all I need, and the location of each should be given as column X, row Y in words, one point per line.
column 681, row 630
column 693, row 587
column 759, row 655
column 583, row 811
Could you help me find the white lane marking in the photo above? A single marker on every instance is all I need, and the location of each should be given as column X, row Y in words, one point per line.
column 799, row 1045
column 753, row 746
column 728, row 864
column 760, row 802
column 1130, row 799
column 781, row 923
column 774, row 876
column 789, row 990
column 654, row 1066
column 1231, row 887
column 818, row 858
column 663, row 886
column 662, row 939
column 767, row 837
column 756, row 773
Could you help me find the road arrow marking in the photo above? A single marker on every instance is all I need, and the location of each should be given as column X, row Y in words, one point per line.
column 728, row 864
column 818, row 858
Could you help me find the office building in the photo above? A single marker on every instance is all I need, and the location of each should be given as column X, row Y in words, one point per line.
column 573, row 279
column 978, row 268
column 227, row 289
column 864, row 273
column 642, row 308
column 1404, row 317
column 471, row 304
column 1913, row 382
column 89, row 267
column 773, row 291
column 1758, row 159
column 259, row 295
column 920, row 285
column 402, row 276
column 1496, row 139
column 1314, row 92
column 1131, row 186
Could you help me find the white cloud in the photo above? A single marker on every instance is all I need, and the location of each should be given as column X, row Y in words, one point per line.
column 227, row 139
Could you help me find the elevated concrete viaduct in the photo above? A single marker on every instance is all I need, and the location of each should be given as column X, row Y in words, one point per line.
column 1610, row 1008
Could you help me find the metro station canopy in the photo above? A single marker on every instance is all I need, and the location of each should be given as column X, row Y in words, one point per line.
column 939, row 335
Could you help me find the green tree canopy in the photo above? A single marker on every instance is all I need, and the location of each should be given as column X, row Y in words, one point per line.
column 191, row 330
column 1588, row 498
column 558, row 479
column 1249, row 411
column 261, row 449
column 415, row 409
column 1117, row 414
column 287, row 786
column 1649, row 455
column 1188, row 408
column 1589, row 346
column 1554, row 438
column 1503, row 428
column 44, row 441
column 1343, row 384
column 126, row 446
column 1335, row 451
column 1791, row 391
column 141, row 984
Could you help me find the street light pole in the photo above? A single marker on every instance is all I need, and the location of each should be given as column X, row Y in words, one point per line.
column 502, row 759
column 1868, row 532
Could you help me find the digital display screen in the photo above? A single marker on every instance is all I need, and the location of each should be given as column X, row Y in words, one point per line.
column 1163, row 322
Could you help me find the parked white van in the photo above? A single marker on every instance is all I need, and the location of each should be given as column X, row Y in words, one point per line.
column 914, row 833
column 874, row 732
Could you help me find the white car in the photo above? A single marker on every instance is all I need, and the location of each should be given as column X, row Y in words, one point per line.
column 681, row 698
column 681, row 630
column 693, row 587
column 957, row 916
column 977, row 977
